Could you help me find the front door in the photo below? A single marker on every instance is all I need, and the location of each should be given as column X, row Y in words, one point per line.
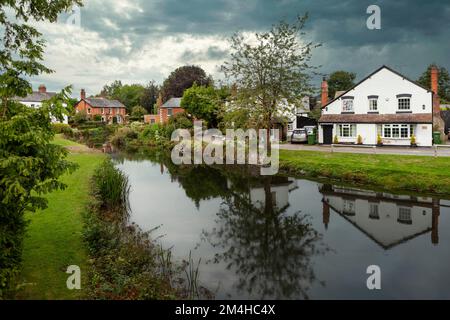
column 327, row 134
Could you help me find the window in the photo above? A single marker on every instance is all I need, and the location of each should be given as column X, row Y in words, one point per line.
column 404, row 103
column 398, row 131
column 347, row 130
column 373, row 104
column 103, row 110
column 110, row 110
column 152, row 121
column 169, row 112
column 347, row 105
column 373, row 213
column 404, row 215
column 89, row 110
column 349, row 208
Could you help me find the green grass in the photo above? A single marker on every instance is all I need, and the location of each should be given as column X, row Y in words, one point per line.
column 53, row 239
column 387, row 172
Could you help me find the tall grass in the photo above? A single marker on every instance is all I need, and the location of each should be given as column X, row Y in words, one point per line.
column 111, row 187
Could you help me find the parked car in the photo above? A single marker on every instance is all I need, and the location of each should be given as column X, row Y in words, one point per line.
column 299, row 135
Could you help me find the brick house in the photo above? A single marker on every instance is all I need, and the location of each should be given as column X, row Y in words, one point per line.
column 165, row 111
column 110, row 111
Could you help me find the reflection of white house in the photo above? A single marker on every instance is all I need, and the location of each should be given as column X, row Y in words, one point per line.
column 280, row 188
column 387, row 219
column 36, row 98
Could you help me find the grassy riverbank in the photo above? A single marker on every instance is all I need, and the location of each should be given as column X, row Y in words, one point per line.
column 54, row 236
column 389, row 172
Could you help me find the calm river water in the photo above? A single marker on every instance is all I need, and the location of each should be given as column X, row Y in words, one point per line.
column 288, row 238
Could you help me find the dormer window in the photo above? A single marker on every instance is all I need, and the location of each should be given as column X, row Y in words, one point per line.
column 404, row 102
column 347, row 104
column 373, row 103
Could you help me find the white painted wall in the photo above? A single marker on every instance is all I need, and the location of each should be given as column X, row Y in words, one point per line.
column 386, row 85
column 38, row 105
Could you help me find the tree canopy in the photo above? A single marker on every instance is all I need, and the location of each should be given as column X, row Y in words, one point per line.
column 444, row 82
column 129, row 94
column 150, row 96
column 183, row 78
column 270, row 70
column 340, row 81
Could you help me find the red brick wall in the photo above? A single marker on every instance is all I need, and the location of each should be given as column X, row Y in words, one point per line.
column 164, row 113
column 92, row 111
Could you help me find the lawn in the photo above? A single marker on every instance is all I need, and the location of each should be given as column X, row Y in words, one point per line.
column 53, row 239
column 388, row 172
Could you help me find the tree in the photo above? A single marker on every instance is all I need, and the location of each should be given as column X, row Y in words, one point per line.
column 183, row 78
column 138, row 112
column 150, row 96
column 340, row 81
column 130, row 94
column 203, row 103
column 30, row 164
column 272, row 72
column 444, row 82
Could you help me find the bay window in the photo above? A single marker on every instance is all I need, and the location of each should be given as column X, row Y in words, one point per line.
column 347, row 130
column 397, row 131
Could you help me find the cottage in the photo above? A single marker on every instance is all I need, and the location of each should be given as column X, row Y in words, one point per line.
column 165, row 111
column 36, row 98
column 385, row 104
column 110, row 111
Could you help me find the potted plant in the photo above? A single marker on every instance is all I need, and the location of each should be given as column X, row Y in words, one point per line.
column 336, row 140
column 379, row 141
column 413, row 141
column 359, row 140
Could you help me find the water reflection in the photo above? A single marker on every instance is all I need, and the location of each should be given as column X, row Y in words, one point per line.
column 280, row 237
column 269, row 249
column 387, row 219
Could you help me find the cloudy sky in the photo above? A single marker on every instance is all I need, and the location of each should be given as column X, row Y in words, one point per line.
column 140, row 40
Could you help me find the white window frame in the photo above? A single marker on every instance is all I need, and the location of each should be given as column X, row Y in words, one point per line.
column 169, row 112
column 341, row 129
column 373, row 104
column 290, row 126
column 398, row 129
column 404, row 103
column 347, row 105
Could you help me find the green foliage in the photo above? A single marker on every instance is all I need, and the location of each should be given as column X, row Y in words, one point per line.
column 444, row 82
column 359, row 139
column 270, row 71
column 238, row 118
column 125, row 263
column 181, row 121
column 138, row 112
column 60, row 128
column 204, row 103
column 123, row 136
column 80, row 117
column 150, row 96
column 183, row 78
column 97, row 118
column 340, row 81
column 129, row 94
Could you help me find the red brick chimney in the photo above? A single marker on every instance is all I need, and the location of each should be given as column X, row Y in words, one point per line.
column 435, row 89
column 324, row 98
column 83, row 94
column 42, row 89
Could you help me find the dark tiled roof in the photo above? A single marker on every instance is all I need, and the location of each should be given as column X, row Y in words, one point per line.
column 172, row 103
column 36, row 96
column 377, row 118
column 104, row 103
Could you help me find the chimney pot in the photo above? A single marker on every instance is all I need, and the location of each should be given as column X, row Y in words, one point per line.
column 42, row 89
column 83, row 94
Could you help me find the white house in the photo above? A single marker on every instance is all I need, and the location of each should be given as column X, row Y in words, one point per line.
column 36, row 98
column 385, row 104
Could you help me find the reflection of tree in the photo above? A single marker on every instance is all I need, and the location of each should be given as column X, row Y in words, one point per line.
column 270, row 251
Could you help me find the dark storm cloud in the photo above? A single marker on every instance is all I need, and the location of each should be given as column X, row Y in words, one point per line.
column 414, row 32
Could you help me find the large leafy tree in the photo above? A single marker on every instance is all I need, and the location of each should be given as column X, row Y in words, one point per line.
column 444, row 82
column 340, row 81
column 204, row 103
column 150, row 96
column 30, row 164
column 129, row 94
column 183, row 78
column 270, row 70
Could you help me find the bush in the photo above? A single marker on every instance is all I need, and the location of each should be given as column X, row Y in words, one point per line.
column 181, row 121
column 123, row 136
column 98, row 118
column 60, row 127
